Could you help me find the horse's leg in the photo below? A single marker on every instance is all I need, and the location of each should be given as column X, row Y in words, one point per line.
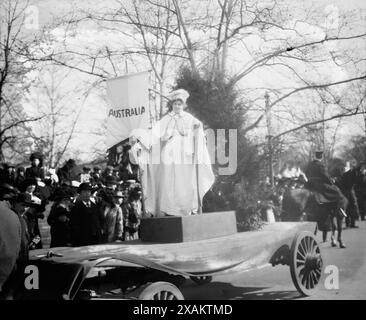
column 340, row 214
column 339, row 229
column 333, row 240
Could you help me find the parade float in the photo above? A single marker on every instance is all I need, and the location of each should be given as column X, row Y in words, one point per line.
column 173, row 246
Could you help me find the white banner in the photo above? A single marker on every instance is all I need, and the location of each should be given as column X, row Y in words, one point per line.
column 129, row 106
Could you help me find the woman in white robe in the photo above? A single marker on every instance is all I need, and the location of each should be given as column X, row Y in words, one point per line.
column 176, row 167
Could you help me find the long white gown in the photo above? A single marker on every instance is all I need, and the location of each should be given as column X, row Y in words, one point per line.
column 174, row 153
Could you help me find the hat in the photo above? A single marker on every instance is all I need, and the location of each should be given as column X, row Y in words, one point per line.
column 61, row 194
column 36, row 155
column 7, row 191
column 111, row 180
column 71, row 161
column 131, row 181
column 96, row 169
column 85, row 187
column 109, row 168
column 27, row 200
column 179, row 94
column 86, row 168
column 21, row 168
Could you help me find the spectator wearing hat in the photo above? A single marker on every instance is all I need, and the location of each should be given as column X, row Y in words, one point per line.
column 111, row 182
column 96, row 176
column 108, row 172
column 20, row 177
column 7, row 193
column 34, row 212
column 29, row 188
column 132, row 215
column 36, row 169
column 85, row 176
column 59, row 219
column 85, row 219
column 20, row 205
column 106, row 193
column 9, row 174
column 113, row 218
column 116, row 175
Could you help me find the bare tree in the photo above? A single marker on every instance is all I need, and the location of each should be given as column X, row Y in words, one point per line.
column 60, row 108
column 12, row 71
column 159, row 31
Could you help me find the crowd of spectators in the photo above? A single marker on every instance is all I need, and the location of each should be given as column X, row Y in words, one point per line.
column 83, row 206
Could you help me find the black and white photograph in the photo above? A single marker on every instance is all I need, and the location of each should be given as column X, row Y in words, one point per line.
column 200, row 150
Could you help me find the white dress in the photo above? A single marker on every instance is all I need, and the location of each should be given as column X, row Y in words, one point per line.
column 175, row 152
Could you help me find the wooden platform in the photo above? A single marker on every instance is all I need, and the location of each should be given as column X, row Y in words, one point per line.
column 188, row 228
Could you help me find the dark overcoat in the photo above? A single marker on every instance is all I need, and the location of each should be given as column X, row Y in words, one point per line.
column 321, row 183
column 86, row 224
column 60, row 230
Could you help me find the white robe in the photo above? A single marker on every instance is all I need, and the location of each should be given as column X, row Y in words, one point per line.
column 173, row 153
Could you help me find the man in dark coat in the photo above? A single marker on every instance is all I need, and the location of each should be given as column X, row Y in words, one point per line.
column 360, row 191
column 347, row 184
column 59, row 220
column 85, row 219
column 323, row 186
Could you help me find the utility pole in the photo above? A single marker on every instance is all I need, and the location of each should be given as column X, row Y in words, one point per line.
column 270, row 137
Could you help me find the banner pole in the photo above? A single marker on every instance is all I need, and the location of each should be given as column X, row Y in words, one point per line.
column 142, row 187
column 199, row 211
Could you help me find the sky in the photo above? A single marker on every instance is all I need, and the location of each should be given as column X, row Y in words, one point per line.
column 94, row 106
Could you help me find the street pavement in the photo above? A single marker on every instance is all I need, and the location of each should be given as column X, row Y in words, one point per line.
column 275, row 283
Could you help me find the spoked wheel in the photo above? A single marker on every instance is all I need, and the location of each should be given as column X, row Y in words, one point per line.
column 202, row 280
column 306, row 263
column 160, row 291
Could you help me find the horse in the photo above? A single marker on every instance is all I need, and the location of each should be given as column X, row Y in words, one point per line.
column 301, row 204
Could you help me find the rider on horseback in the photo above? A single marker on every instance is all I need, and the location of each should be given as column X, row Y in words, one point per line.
column 323, row 187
